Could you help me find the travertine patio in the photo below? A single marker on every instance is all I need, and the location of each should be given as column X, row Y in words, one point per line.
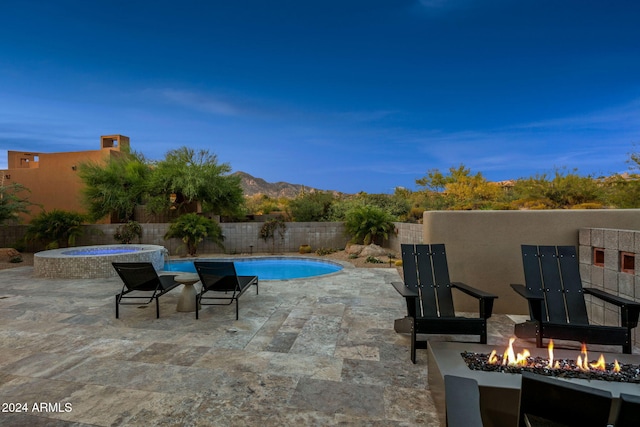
column 318, row 351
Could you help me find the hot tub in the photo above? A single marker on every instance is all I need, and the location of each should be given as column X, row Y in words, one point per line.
column 90, row 262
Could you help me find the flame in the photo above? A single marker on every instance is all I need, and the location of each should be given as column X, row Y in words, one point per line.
column 583, row 364
column 599, row 365
column 510, row 358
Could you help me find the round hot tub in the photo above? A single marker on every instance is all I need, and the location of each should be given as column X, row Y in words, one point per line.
column 90, row 262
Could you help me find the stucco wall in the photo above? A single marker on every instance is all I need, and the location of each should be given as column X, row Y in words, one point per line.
column 483, row 247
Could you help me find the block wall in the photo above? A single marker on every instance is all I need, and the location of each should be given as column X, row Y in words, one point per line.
column 242, row 237
column 610, row 260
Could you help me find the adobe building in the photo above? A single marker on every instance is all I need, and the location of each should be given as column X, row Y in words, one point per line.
column 52, row 178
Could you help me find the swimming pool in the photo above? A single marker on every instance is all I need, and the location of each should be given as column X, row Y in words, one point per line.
column 272, row 268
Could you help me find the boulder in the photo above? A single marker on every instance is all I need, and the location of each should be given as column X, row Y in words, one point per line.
column 374, row 251
column 354, row 249
column 7, row 253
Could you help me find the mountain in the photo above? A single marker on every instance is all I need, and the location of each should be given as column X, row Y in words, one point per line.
column 252, row 185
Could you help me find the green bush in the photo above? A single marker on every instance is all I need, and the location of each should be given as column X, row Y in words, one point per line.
column 369, row 224
column 324, row 251
column 125, row 233
column 193, row 229
column 55, row 229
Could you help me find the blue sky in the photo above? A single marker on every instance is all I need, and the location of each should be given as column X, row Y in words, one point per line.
column 343, row 95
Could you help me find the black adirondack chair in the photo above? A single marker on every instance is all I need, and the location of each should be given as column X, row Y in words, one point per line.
column 628, row 411
column 428, row 293
column 548, row 401
column 557, row 306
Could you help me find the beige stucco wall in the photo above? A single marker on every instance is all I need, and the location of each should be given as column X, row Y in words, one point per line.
column 483, row 247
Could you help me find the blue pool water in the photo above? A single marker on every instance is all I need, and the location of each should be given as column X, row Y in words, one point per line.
column 266, row 268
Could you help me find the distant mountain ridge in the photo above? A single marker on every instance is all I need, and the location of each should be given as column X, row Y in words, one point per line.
column 252, row 186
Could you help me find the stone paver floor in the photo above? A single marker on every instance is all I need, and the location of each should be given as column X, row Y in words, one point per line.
column 319, row 351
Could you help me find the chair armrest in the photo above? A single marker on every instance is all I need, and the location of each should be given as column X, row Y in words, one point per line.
column 526, row 293
column 485, row 299
column 404, row 291
column 629, row 310
column 470, row 290
column 610, row 298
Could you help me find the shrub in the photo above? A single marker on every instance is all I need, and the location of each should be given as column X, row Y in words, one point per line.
column 269, row 229
column 125, row 233
column 373, row 260
column 193, row 229
column 369, row 224
column 55, row 229
column 324, row 251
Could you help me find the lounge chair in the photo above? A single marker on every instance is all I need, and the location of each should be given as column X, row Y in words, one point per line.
column 427, row 290
column 557, row 307
column 141, row 282
column 220, row 282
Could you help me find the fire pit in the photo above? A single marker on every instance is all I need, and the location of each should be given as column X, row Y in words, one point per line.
column 499, row 384
column 581, row 367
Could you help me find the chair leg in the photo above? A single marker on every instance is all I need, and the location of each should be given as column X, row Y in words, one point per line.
column 117, row 307
column 413, row 341
column 157, row 308
column 237, row 309
column 197, row 306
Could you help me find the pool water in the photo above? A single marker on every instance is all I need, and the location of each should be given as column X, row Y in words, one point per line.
column 267, row 268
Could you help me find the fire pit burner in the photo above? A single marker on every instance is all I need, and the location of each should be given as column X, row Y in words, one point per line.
column 566, row 368
column 500, row 392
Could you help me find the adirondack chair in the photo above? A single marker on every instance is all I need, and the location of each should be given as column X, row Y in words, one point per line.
column 548, row 401
column 428, row 294
column 557, row 307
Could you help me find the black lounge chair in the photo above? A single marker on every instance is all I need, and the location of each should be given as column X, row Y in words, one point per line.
column 141, row 282
column 557, row 306
column 220, row 278
column 427, row 290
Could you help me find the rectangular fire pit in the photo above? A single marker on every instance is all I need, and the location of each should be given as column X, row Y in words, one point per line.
column 500, row 392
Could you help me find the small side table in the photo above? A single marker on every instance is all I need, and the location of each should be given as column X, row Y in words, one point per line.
column 187, row 301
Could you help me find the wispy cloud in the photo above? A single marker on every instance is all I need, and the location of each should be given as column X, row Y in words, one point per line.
column 617, row 118
column 206, row 103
